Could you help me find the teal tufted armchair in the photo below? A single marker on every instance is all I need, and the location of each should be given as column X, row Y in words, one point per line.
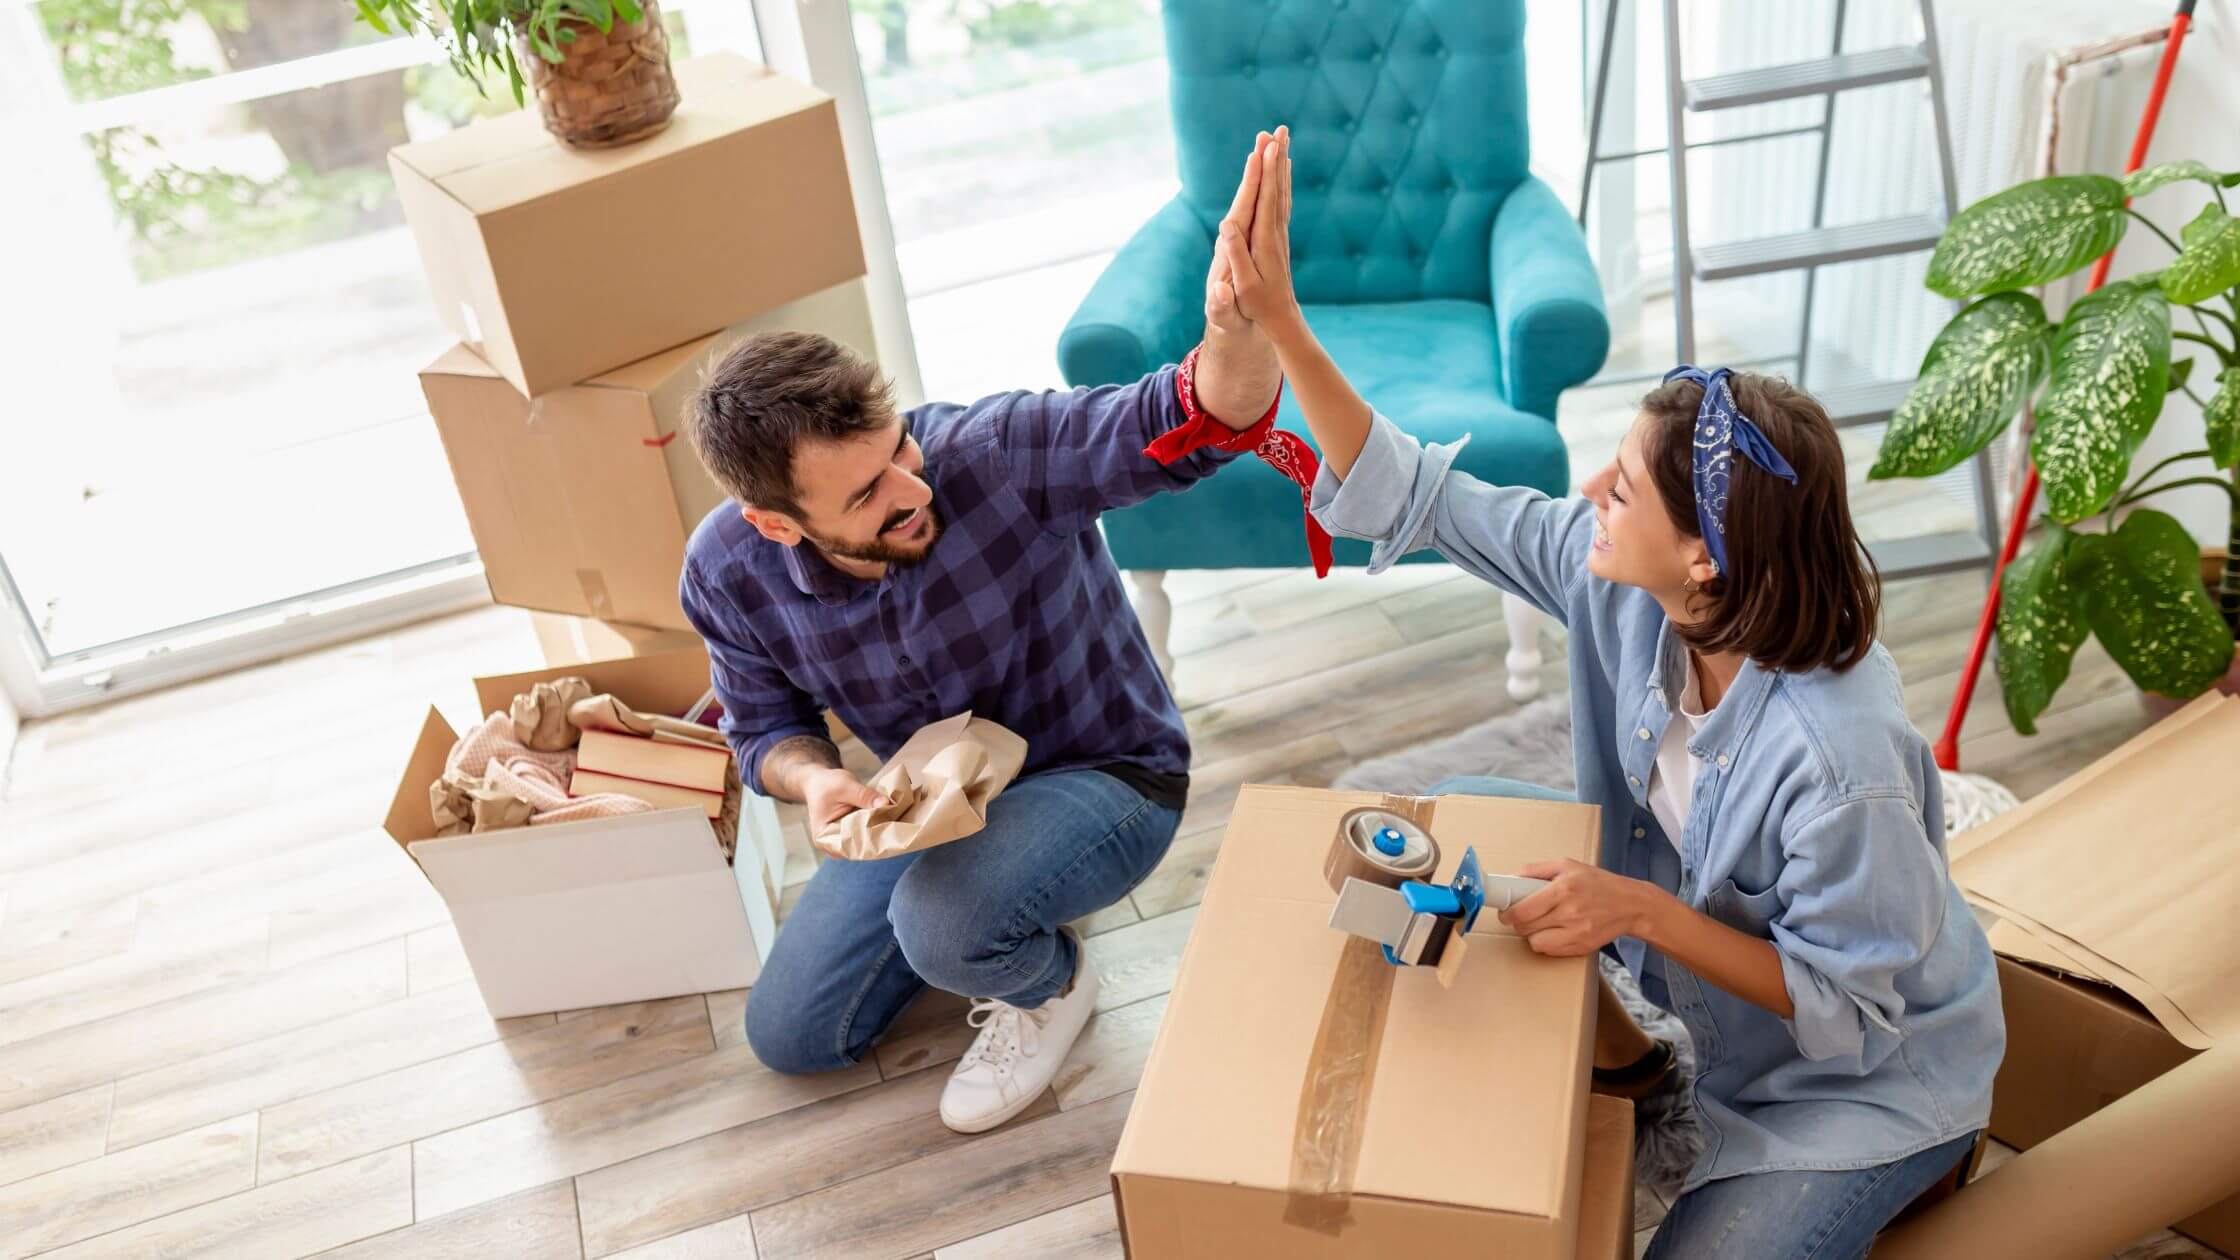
column 1449, row 284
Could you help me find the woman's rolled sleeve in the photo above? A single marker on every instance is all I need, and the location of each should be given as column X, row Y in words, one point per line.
column 1862, row 901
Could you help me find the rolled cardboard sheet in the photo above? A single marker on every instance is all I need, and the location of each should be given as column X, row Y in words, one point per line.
column 2161, row 1153
column 1354, row 854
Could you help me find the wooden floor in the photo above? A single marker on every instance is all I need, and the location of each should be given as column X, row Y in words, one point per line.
column 235, row 1022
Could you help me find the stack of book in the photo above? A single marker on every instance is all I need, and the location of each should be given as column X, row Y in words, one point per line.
column 663, row 773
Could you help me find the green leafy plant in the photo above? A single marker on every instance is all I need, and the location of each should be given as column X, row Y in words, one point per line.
column 2100, row 378
column 479, row 35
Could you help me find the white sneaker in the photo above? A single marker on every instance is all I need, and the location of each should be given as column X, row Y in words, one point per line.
column 1017, row 1053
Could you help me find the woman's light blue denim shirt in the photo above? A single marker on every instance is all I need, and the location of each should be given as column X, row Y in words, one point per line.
column 1817, row 823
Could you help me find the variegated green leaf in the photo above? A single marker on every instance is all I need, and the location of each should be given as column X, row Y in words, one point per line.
column 2210, row 262
column 2146, row 179
column 2041, row 623
column 2029, row 234
column 1977, row 374
column 2145, row 599
column 2223, row 417
column 2111, row 368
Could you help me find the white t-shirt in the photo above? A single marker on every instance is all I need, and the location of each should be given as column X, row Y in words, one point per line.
column 1672, row 782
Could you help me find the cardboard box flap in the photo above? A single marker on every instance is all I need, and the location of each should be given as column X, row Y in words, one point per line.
column 459, row 360
column 588, row 854
column 664, row 682
column 409, row 816
column 512, row 159
column 650, row 373
column 1233, row 1049
column 2158, row 914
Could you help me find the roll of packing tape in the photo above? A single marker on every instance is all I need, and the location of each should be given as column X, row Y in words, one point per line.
column 1381, row 847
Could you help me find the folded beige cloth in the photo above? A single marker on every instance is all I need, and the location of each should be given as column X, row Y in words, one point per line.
column 540, row 714
column 937, row 786
column 606, row 713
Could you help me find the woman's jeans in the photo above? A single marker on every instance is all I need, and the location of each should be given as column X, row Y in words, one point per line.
column 1772, row 1215
column 977, row 916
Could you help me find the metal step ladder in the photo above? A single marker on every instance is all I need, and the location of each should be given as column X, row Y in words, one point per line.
column 1808, row 250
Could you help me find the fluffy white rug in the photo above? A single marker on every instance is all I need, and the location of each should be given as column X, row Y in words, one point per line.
column 1533, row 745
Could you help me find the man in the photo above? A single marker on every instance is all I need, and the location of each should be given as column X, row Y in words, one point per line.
column 902, row 569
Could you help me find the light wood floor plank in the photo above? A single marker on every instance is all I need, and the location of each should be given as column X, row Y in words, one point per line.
column 1235, row 668
column 473, row 1085
column 323, row 1056
column 35, row 944
column 296, row 1217
column 1088, row 1230
column 129, row 981
column 1012, row 1174
column 537, row 1224
column 732, row 1239
column 583, row 1132
column 54, row 1134
column 794, row 1152
column 201, row 1023
column 115, row 1191
column 1107, row 1059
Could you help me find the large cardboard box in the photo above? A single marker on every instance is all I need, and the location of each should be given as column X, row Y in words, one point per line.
column 607, row 910
column 557, row 263
column 573, row 640
column 1470, row 1139
column 582, row 501
column 2073, row 1048
column 2114, row 903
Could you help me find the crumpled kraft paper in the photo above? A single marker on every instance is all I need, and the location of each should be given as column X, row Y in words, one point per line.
column 938, row 787
column 540, row 714
column 607, row 713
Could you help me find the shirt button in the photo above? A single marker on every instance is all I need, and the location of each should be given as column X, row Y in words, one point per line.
column 906, row 660
column 1643, row 733
column 1722, row 761
column 1639, row 832
column 1634, row 780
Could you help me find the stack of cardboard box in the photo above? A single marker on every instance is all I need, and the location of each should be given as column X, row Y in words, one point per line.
column 589, row 290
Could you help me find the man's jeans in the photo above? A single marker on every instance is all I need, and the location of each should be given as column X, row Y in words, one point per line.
column 978, row 917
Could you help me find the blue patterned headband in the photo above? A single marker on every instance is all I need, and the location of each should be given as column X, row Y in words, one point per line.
column 1721, row 430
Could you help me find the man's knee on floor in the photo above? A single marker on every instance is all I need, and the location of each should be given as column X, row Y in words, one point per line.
column 776, row 1035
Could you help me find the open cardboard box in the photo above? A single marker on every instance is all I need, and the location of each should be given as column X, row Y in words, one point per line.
column 2115, row 900
column 606, row 910
column 581, row 502
column 1472, row 1138
column 569, row 640
column 557, row 263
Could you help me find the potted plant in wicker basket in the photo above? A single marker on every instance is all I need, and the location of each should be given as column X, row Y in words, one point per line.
column 2105, row 369
column 600, row 68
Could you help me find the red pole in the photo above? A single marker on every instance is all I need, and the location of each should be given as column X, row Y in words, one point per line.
column 1948, row 744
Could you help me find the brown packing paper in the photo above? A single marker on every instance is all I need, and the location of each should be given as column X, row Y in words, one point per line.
column 938, row 787
column 2157, row 914
column 2167, row 1150
column 1470, row 1135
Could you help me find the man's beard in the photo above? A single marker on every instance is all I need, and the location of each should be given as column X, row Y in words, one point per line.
column 879, row 551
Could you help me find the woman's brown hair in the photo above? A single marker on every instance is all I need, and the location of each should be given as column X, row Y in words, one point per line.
column 1799, row 592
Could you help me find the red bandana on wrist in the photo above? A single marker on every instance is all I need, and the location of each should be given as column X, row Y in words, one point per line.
column 1284, row 451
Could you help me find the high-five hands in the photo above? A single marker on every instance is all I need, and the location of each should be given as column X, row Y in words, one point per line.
column 1221, row 294
column 1254, row 250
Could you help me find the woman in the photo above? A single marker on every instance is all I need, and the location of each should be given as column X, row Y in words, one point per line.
column 1772, row 860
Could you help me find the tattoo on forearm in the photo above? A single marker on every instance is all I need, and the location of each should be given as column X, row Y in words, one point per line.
column 787, row 759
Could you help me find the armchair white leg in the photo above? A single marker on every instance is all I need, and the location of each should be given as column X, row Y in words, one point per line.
column 1156, row 612
column 1524, row 659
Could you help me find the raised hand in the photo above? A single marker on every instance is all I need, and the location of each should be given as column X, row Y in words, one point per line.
column 1258, row 252
column 1221, row 294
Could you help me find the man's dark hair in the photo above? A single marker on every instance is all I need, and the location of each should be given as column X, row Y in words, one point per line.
column 769, row 394
column 1801, row 592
